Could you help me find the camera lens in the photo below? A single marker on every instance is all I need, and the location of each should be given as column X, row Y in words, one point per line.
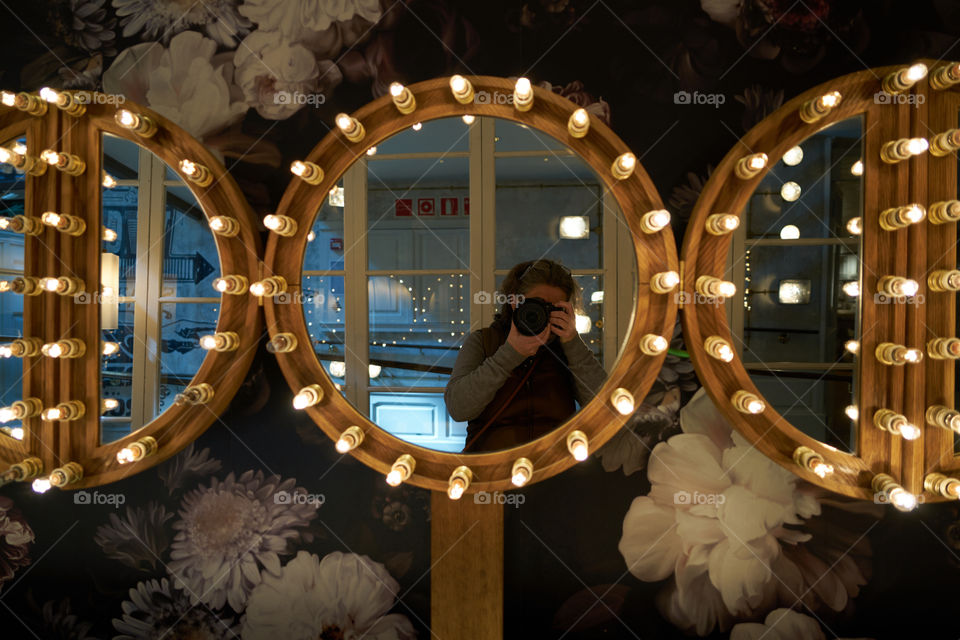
column 532, row 316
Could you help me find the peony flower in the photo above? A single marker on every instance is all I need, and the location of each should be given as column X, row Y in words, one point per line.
column 85, row 24
column 781, row 624
column 15, row 535
column 138, row 539
column 186, row 82
column 161, row 19
column 231, row 530
column 345, row 595
column 156, row 611
column 298, row 20
column 276, row 77
column 715, row 521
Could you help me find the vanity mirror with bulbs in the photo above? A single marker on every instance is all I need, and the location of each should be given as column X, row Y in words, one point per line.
column 110, row 256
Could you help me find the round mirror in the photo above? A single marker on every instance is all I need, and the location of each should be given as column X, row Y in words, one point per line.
column 424, row 227
column 447, row 218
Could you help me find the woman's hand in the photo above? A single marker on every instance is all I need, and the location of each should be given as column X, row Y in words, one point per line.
column 527, row 345
column 563, row 323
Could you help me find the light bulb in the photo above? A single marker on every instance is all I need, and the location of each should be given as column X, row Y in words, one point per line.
column 402, row 98
column 522, row 472
column 308, row 396
column 853, row 346
column 7, row 414
column 350, row 127
column 816, row 109
column 196, row 173
column 857, row 168
column 372, row 151
column 654, row 221
column 904, row 78
column 52, row 414
column 8, row 98
column 622, row 168
column 622, row 401
column 109, row 404
column 41, row 485
column 793, row 156
column 790, row 191
column 653, row 345
column 109, row 235
column 50, row 219
column 141, row 125
column 917, row 146
column 125, row 455
column 224, row 226
column 401, row 470
column 746, row 402
column 50, row 284
column 855, row 226
column 664, row 282
column 462, row 89
column 717, row 347
column 208, row 342
column 577, row 445
column 523, row 95
column 909, row 431
column 790, row 231
column 280, row 224
column 350, row 439
column 852, row 411
column 459, row 481
column 902, row 149
column 809, row 459
column 579, row 123
column 750, row 166
column 110, row 348
column 719, row 224
column 338, row 368
column 374, row 370
column 468, row 119
column 108, row 181
column 416, row 126
column 851, row 288
column 583, row 323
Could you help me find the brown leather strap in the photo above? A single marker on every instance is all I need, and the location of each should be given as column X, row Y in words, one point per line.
column 506, row 402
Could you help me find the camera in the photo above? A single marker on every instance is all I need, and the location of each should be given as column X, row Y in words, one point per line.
column 533, row 315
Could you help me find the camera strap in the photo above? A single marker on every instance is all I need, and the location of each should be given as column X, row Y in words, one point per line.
column 506, row 402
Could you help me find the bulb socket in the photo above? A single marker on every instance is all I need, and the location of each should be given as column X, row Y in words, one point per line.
column 32, row 104
column 943, row 417
column 282, row 343
column 817, row 108
column 940, row 484
column 196, row 173
column 750, row 166
column 403, row 98
column 224, row 226
column 401, row 470
column 623, row 166
column 25, row 347
column 195, row 394
column 143, row 126
column 578, row 125
column 221, row 341
column 280, row 224
column 720, row 224
column 944, row 348
column 350, row 439
column 137, row 450
column 70, row 410
column 459, row 482
column 351, row 128
column 307, row 171
column 26, row 469
column 902, row 217
column 943, row 144
column 664, row 282
column 233, row 285
column 577, row 445
column 68, row 474
column 27, row 225
column 747, row 402
column 522, row 472
column 945, row 77
column 900, row 80
column 944, row 212
column 897, row 355
column 269, row 287
column 896, row 151
column 944, row 280
column 462, row 89
column 718, row 348
column 308, row 396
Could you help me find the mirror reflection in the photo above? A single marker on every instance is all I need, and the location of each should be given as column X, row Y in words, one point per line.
column 445, row 227
column 795, row 258
column 158, row 262
column 12, row 184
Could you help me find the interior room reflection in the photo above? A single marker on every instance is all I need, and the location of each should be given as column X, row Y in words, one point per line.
column 417, row 196
column 796, row 254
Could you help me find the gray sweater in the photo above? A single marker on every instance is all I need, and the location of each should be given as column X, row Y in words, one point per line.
column 475, row 380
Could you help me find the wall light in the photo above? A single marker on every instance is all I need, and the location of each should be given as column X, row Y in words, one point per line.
column 307, row 171
column 195, row 394
column 350, row 127
column 143, row 126
column 719, row 224
column 902, row 79
column 664, row 282
column 403, row 98
column 401, row 470
column 897, row 150
column 577, row 445
column 746, row 402
column 137, row 450
column 751, row 165
column 817, row 108
column 574, row 227
column 887, row 490
column 308, row 396
column 579, row 123
column 895, row 423
column 350, row 439
column 522, row 472
column 808, row 459
column 794, row 292
column 196, row 173
column 459, row 482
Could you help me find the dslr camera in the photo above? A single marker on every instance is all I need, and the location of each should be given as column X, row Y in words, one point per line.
column 532, row 316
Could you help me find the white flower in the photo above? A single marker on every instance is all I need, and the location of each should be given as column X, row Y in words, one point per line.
column 716, row 516
column 722, row 11
column 231, row 530
column 298, row 20
column 345, row 595
column 780, row 624
column 186, row 82
column 154, row 611
column 161, row 19
column 277, row 77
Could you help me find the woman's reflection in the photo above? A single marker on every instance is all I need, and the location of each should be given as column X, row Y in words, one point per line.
column 518, row 379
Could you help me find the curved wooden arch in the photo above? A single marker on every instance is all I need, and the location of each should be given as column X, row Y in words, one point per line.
column 53, row 317
column 654, row 313
column 912, row 252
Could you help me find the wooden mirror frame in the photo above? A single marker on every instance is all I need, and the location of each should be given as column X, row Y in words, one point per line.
column 48, row 314
column 911, row 252
column 653, row 313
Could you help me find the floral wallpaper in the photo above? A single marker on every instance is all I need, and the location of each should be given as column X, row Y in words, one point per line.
column 676, row 528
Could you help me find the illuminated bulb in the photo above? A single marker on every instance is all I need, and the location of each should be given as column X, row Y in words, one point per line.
column 522, row 472
column 20, row 409
column 224, row 226
column 269, row 287
column 308, row 396
column 231, row 285
column 790, row 191
column 220, row 341
column 195, row 394
column 8, row 98
column 579, row 123
column 897, row 150
column 50, row 95
column 350, row 439
column 49, row 284
column 901, row 217
column 6, row 351
column 855, row 226
column 622, row 401
column 372, row 151
column 817, row 108
column 401, row 470
column 468, row 119
column 719, row 224
column 350, row 127
column 338, row 368
column 746, row 402
column 109, row 404
column 64, row 101
column 280, row 224
column 50, row 156
column 416, row 126
column 902, row 79
column 374, row 370
column 69, row 410
column 459, row 482
column 196, row 173
column 793, row 156
column 577, row 445
column 622, row 168
column 403, row 98
column 63, row 161
column 896, row 424
column 945, row 486
column 583, row 323
column 851, row 288
column 853, row 346
column 654, row 221
column 944, row 212
column 944, row 77
column 7, row 414
column 710, row 287
column 944, row 348
column 71, row 225
column 857, row 168
column 137, row 450
column 717, row 347
column 523, row 95
column 653, row 345
column 808, row 459
column 897, row 286
column 789, row 232
column 282, row 343
column 143, row 126
column 311, row 236
column 110, row 348
column 308, row 171
column 749, row 166
column 852, row 412
column 108, row 235
column 664, row 282
column 887, row 488
column 896, row 355
column 41, row 485
column 462, row 89
column 66, row 348
column 108, row 181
